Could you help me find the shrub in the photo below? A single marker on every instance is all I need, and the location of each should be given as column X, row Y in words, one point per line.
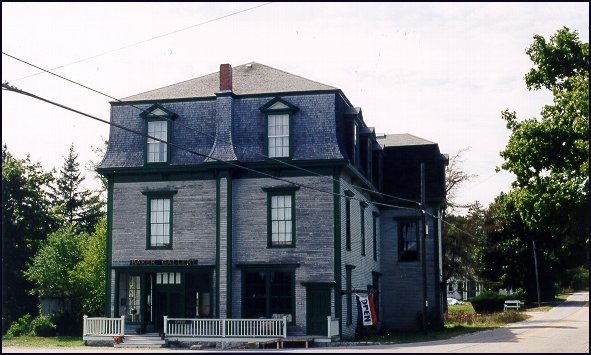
column 67, row 323
column 19, row 327
column 577, row 278
column 489, row 301
column 42, row 326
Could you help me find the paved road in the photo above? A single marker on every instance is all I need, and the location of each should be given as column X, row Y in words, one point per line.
column 563, row 329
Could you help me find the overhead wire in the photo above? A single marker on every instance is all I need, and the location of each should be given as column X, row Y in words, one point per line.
column 372, row 191
column 146, row 40
column 6, row 87
column 23, row 92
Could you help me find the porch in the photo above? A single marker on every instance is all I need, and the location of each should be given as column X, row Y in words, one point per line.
column 209, row 330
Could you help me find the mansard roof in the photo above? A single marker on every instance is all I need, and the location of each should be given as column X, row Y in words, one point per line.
column 404, row 139
column 247, row 79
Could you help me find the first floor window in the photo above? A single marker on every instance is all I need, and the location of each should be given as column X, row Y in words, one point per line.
column 160, row 225
column 408, row 240
column 268, row 294
column 349, row 286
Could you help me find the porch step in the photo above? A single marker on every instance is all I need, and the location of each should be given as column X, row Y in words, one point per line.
column 149, row 340
column 295, row 331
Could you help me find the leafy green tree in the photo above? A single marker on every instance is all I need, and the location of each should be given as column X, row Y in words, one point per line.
column 507, row 259
column 76, row 205
column 26, row 221
column 50, row 269
column 550, row 159
column 89, row 274
column 463, row 240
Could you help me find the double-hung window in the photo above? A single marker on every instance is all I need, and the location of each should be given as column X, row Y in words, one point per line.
column 408, row 240
column 281, row 216
column 279, row 127
column 157, row 150
column 159, row 219
column 157, row 129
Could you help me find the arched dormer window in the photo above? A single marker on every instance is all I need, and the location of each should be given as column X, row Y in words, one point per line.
column 157, row 128
column 279, row 124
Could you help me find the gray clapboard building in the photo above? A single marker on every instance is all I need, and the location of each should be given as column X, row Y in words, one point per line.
column 259, row 193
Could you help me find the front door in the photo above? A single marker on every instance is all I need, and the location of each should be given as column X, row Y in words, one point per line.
column 168, row 297
column 317, row 309
column 169, row 302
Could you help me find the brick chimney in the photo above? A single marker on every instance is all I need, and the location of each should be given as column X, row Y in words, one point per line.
column 225, row 77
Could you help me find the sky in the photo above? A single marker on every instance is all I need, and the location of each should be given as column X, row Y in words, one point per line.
column 440, row 71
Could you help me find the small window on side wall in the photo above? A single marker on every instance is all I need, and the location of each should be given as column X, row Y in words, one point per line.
column 408, row 237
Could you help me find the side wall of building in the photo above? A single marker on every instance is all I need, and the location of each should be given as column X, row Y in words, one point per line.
column 362, row 265
column 402, row 282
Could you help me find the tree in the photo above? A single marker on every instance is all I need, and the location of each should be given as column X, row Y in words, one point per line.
column 507, row 254
column 455, row 176
column 76, row 205
column 51, row 266
column 26, row 221
column 91, row 166
column 463, row 239
column 550, row 159
column 89, row 274
column 460, row 238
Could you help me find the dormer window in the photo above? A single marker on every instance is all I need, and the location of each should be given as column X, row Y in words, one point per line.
column 157, row 129
column 355, row 143
column 279, row 114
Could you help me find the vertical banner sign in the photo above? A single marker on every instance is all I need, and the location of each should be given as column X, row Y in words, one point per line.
column 365, row 311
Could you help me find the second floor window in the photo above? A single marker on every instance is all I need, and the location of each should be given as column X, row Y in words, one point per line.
column 282, row 220
column 157, row 150
column 160, row 222
column 408, row 235
column 278, row 136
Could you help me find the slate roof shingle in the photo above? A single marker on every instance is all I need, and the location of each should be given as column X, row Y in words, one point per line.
column 247, row 79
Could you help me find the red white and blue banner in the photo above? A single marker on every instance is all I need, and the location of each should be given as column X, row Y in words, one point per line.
column 365, row 310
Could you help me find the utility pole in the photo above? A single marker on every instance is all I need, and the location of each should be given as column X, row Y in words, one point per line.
column 536, row 267
column 423, row 247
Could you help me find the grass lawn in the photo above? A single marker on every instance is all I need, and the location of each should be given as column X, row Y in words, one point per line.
column 40, row 342
column 461, row 319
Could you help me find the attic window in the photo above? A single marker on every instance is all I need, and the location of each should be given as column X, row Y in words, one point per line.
column 157, row 129
column 279, row 121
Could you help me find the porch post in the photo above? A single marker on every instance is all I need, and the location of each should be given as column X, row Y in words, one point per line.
column 165, row 325
column 284, row 326
column 84, row 319
column 122, row 325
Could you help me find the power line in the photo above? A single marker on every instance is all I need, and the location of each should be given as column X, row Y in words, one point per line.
column 223, row 140
column 146, row 40
column 10, row 88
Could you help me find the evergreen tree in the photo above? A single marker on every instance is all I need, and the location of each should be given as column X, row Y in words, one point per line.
column 74, row 204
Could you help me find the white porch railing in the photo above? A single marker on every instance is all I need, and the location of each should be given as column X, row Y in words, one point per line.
column 333, row 326
column 102, row 327
column 225, row 328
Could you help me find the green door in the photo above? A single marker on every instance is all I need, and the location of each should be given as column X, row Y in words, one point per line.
column 168, row 302
column 317, row 309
